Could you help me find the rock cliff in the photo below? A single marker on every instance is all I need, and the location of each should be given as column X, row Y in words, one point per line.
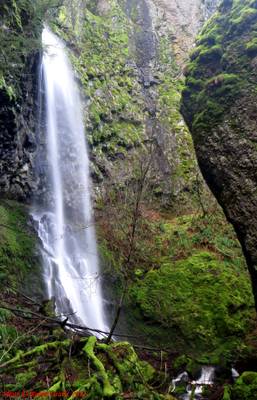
column 219, row 105
column 131, row 77
column 20, row 36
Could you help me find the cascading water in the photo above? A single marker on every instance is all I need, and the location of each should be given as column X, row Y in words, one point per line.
column 194, row 389
column 64, row 221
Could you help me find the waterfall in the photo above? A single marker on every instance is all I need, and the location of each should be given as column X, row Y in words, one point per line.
column 64, row 217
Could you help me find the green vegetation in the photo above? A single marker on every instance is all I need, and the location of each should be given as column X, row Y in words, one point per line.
column 198, row 301
column 82, row 367
column 206, row 307
column 115, row 118
column 122, row 115
column 19, row 268
column 251, row 47
column 189, row 289
column 245, row 388
column 17, row 244
column 220, row 83
column 20, row 37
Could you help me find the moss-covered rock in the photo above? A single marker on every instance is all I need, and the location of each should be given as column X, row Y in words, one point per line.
column 199, row 304
column 245, row 388
column 221, row 114
column 132, row 87
column 17, row 245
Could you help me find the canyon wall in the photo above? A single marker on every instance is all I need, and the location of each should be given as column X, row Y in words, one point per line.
column 219, row 105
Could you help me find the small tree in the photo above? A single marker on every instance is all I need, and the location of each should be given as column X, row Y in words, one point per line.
column 125, row 214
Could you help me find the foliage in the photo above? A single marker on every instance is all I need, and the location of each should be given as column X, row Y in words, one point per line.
column 245, row 388
column 195, row 263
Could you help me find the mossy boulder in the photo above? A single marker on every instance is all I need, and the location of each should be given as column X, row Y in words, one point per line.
column 198, row 298
column 245, row 388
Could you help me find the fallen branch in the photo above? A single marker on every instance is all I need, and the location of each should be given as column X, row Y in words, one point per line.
column 67, row 324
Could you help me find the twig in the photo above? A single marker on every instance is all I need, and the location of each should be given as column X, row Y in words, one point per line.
column 18, row 338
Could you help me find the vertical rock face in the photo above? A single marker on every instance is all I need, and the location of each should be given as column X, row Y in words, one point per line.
column 185, row 18
column 128, row 56
column 219, row 105
column 17, row 138
column 19, row 32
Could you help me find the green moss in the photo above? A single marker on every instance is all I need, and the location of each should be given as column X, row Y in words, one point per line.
column 7, row 335
column 108, row 390
column 7, row 88
column 23, row 379
column 220, row 62
column 247, row 15
column 251, row 47
column 196, row 297
column 194, row 263
column 226, row 395
column 212, row 54
column 20, row 37
column 115, row 117
column 245, row 387
column 84, row 366
column 17, row 244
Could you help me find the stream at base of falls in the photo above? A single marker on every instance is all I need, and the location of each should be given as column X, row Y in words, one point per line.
column 194, row 389
column 187, row 389
column 63, row 216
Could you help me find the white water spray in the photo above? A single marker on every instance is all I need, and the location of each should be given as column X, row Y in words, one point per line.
column 65, row 224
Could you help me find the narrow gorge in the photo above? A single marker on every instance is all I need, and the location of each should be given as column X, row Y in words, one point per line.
column 122, row 274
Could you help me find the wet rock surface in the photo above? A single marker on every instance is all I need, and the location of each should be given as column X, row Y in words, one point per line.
column 18, row 138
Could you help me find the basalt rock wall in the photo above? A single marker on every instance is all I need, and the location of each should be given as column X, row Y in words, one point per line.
column 128, row 57
column 219, row 105
column 20, row 36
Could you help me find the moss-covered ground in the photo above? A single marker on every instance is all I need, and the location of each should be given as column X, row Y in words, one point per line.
column 189, row 285
column 84, row 368
column 18, row 263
